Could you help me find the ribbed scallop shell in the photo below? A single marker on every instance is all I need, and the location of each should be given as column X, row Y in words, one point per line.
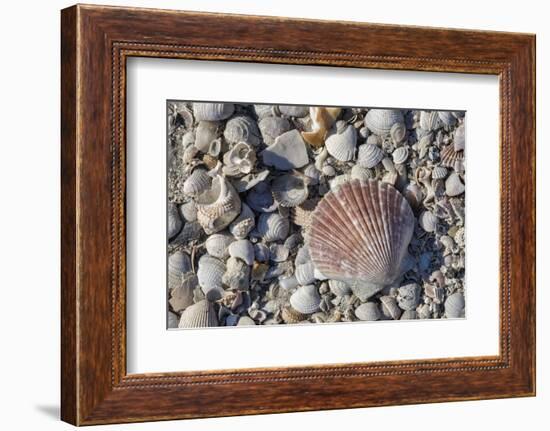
column 273, row 127
column 213, row 111
column 244, row 223
column 361, row 233
column 217, row 244
column 174, row 220
column 400, row 155
column 454, row 306
column 210, row 273
column 272, row 227
column 380, row 121
column 197, row 182
column 289, row 190
column 341, row 145
column 306, row 299
column 459, row 140
column 439, row 172
column 369, row 155
column 449, row 156
column 242, row 129
column 218, row 206
column 368, row 311
column 178, row 264
column 429, row 120
column 199, row 315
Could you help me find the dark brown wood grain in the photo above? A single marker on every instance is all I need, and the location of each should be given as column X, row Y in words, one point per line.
column 96, row 41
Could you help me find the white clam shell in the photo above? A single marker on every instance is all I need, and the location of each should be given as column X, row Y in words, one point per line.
column 210, row 273
column 244, row 223
column 212, row 111
column 243, row 249
column 199, row 315
column 305, row 273
column 369, row 155
column 289, row 190
column 339, row 288
column 380, row 121
column 217, row 245
column 240, row 159
column 287, row 152
column 398, row 132
column 400, row 155
column 197, row 182
column 306, row 299
column 341, row 144
column 218, row 206
column 360, row 173
column 459, row 140
column 174, row 220
column 237, row 274
column 428, row 221
column 454, row 185
column 242, row 129
column 361, row 233
column 179, row 264
column 273, row 127
column 454, row 306
column 368, row 311
column 272, row 227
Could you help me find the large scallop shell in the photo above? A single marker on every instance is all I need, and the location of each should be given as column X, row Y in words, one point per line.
column 213, row 111
column 199, row 315
column 360, row 234
column 341, row 144
column 197, row 182
column 244, row 223
column 178, row 264
column 272, row 227
column 450, row 157
column 289, row 190
column 218, row 206
column 210, row 275
column 369, row 155
column 242, row 129
column 306, row 299
column 380, row 121
column 174, row 220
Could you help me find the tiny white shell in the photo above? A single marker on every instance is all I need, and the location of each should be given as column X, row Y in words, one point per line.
column 368, row 312
column 199, row 315
column 243, row 249
column 244, row 223
column 454, row 306
column 305, row 273
column 197, row 182
column 341, row 144
column 400, row 155
column 217, row 245
column 380, row 121
column 453, row 185
column 212, row 111
column 428, row 221
column 306, row 299
column 369, row 155
column 210, row 273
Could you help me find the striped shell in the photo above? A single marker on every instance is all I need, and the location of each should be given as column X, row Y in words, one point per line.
column 244, row 223
column 243, row 249
column 360, row 173
column 380, row 121
column 449, row 157
column 368, row 312
column 301, row 215
column 369, row 155
column 174, row 220
column 218, row 206
column 272, row 227
column 361, row 233
column 339, row 288
column 305, row 273
column 439, row 172
column 178, row 265
column 199, row 315
column 341, row 144
column 197, row 182
column 242, row 129
column 429, row 120
column 459, row 140
column 400, row 155
column 273, row 127
column 213, row 111
column 447, row 118
column 210, row 275
column 216, row 245
column 289, row 190
column 306, row 299
column 454, row 306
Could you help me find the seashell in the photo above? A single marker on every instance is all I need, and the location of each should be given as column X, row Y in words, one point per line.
column 244, row 223
column 294, row 111
column 214, row 149
column 369, row 155
column 287, row 152
column 439, row 172
column 288, row 283
column 368, row 312
column 450, row 157
column 218, row 206
column 339, row 288
column 197, row 182
column 243, row 249
column 321, row 158
column 414, row 195
column 278, row 252
column 306, row 299
column 242, row 129
column 209, row 161
column 429, row 120
column 322, row 120
column 454, row 306
column 453, row 185
column 210, row 273
column 390, row 308
column 260, row 198
column 305, row 273
column 173, row 320
column 408, row 296
column 374, row 140
column 380, row 121
column 174, row 220
column 398, row 132
column 272, row 227
column 261, row 252
column 245, row 321
column 400, row 155
column 199, row 315
column 289, row 315
column 239, row 160
column 178, row 265
column 328, row 171
column 313, row 174
column 206, row 132
column 302, row 256
column 273, row 127
column 460, row 238
column 424, row 312
column 301, row 215
column 459, row 140
column 341, row 145
column 237, row 274
column 339, row 180
column 289, row 190
column 212, row 111
column 263, row 111
column 249, row 181
column 428, row 221
column 217, row 244
column 360, row 173
column 182, row 297
column 447, row 118
column 409, row 315
column 362, row 232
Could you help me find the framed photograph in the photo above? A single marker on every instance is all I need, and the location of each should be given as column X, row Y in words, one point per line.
column 254, row 205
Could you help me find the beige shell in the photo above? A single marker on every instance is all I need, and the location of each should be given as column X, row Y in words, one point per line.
column 341, row 144
column 306, row 299
column 218, row 206
column 199, row 315
column 400, row 155
column 217, row 245
column 289, row 315
column 242, row 129
column 454, row 306
column 459, row 140
column 209, row 274
column 361, row 233
column 368, row 311
column 244, row 223
column 197, row 182
column 213, row 111
column 380, row 121
column 450, row 157
column 369, row 155
column 178, row 265
column 289, row 190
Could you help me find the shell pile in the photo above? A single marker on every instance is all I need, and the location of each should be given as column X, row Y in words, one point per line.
column 281, row 214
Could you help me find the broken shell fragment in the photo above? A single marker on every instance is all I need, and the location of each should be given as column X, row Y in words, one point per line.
column 287, row 152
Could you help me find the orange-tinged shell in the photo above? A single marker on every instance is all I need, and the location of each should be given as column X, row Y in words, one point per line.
column 361, row 232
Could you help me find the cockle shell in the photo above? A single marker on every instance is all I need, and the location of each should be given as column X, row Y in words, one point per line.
column 293, row 110
column 453, row 185
column 206, row 132
column 428, row 221
column 454, row 306
column 369, row 155
column 218, row 206
column 199, row 315
column 322, row 119
column 380, row 121
column 361, row 234
column 398, row 132
column 339, row 288
column 287, row 152
column 237, row 274
column 242, row 129
column 289, row 190
column 244, row 223
column 439, row 172
column 341, row 144
column 178, row 265
column 360, row 173
column 197, row 182
column 213, row 111
column 450, row 157
column 305, row 273
column 174, row 220
column 182, row 296
column 239, row 160
column 400, row 155
column 368, row 311
column 306, row 299
column 217, row 244
column 243, row 249
column 272, row 227
column 273, row 127
column 429, row 120
column 210, row 275
column 459, row 140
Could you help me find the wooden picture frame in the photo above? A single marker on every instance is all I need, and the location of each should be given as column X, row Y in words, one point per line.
column 95, row 43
